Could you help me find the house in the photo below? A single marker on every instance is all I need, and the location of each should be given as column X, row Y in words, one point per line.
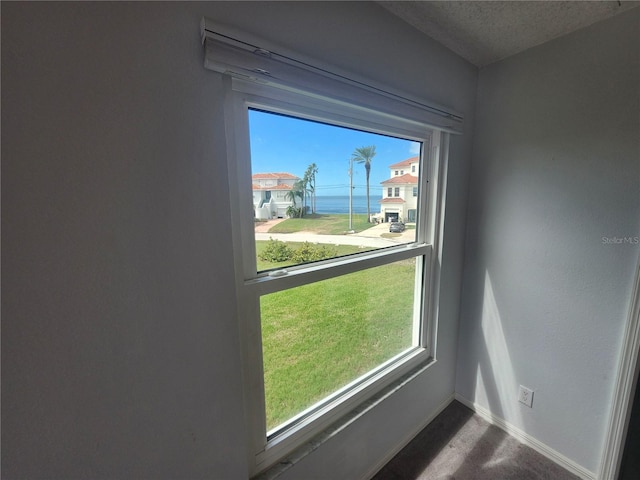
column 121, row 352
column 270, row 194
column 400, row 192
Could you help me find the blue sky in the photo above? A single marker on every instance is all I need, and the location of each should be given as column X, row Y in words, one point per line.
column 284, row 144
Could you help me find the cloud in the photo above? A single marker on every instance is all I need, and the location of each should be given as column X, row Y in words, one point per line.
column 414, row 148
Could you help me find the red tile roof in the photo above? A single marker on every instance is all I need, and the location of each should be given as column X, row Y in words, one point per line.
column 282, row 186
column 405, row 163
column 392, row 200
column 277, row 175
column 407, row 178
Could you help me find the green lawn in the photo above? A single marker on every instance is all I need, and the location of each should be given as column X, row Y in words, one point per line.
column 330, row 224
column 317, row 338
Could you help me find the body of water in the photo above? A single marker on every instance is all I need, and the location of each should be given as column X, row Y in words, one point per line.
column 340, row 204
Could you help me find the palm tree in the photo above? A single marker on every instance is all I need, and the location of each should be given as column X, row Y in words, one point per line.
column 291, row 195
column 365, row 155
column 310, row 180
column 297, row 191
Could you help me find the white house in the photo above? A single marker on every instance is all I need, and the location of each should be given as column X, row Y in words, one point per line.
column 400, row 191
column 270, row 194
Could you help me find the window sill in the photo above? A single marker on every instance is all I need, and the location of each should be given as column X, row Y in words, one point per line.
column 354, row 415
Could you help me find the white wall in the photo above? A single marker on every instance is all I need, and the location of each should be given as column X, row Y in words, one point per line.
column 556, row 167
column 119, row 340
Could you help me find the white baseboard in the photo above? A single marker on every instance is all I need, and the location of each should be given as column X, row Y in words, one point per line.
column 528, row 440
column 410, row 436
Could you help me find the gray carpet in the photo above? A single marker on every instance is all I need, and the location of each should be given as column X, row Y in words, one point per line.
column 459, row 445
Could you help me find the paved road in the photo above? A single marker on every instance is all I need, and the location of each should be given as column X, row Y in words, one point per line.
column 333, row 239
column 367, row 238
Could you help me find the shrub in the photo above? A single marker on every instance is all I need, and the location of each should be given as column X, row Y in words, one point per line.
column 276, row 251
column 293, row 212
column 308, row 252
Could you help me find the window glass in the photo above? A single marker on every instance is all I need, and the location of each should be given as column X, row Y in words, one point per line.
column 313, row 167
column 318, row 338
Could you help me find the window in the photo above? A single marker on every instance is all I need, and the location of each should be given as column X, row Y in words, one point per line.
column 401, row 172
column 322, row 313
column 396, row 173
column 415, row 191
column 322, row 330
column 413, row 169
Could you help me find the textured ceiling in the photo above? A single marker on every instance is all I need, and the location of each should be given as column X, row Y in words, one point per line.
column 486, row 31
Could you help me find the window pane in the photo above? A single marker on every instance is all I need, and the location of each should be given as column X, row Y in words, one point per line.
column 302, row 175
column 318, row 338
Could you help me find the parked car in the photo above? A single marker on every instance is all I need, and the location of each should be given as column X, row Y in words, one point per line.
column 397, row 227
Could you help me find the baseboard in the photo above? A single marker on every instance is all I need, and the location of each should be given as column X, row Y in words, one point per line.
column 528, row 440
column 410, row 436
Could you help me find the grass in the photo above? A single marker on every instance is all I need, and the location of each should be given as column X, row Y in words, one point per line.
column 319, row 337
column 324, row 224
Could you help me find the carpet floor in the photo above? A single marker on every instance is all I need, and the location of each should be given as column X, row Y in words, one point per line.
column 460, row 445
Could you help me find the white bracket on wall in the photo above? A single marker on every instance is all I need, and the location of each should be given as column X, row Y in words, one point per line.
column 253, row 59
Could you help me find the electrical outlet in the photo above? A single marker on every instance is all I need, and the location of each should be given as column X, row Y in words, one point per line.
column 525, row 395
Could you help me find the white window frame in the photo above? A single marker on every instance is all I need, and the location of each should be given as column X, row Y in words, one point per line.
column 242, row 95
